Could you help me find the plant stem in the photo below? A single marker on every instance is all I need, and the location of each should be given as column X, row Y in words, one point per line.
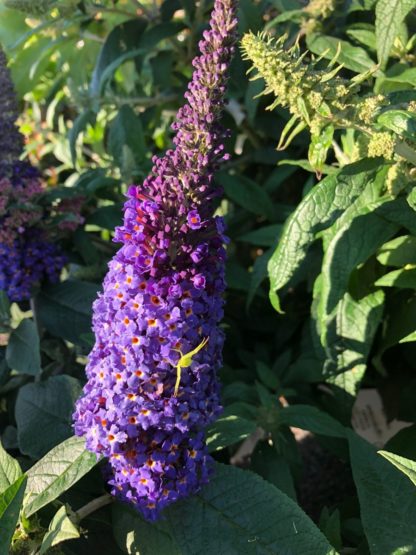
column 93, row 506
column 97, row 8
column 35, row 317
column 145, row 101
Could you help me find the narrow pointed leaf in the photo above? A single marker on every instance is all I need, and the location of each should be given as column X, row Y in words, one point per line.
column 10, row 469
column 60, row 529
column 10, row 504
column 352, row 245
column 60, row 469
column 390, row 14
column 406, row 466
column 387, row 500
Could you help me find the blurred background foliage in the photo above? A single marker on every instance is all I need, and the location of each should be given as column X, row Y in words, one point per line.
column 99, row 85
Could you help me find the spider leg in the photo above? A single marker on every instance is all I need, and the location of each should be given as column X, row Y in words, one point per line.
column 178, row 380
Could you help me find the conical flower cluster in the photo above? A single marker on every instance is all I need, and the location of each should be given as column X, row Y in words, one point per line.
column 152, row 386
column 27, row 256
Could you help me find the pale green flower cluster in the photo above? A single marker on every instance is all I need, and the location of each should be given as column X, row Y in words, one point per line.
column 321, row 9
column 308, row 92
column 381, row 144
column 320, row 100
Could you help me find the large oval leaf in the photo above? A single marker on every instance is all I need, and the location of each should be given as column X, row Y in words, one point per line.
column 65, row 309
column 238, row 513
column 387, row 501
column 352, row 245
column 43, row 414
column 317, row 211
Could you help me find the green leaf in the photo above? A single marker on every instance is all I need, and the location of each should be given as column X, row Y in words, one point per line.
column 398, row 252
column 106, row 217
column 403, row 278
column 138, row 537
column 30, row 65
column 312, row 419
column 15, row 27
column 267, row 376
column 292, row 15
column 23, row 354
column 350, row 339
column 237, row 513
column 266, row 236
column 10, row 503
column 306, row 165
column 406, row 466
column 258, row 275
column 58, row 471
column 356, row 325
column 273, row 467
column 85, row 246
column 409, row 338
column 390, row 14
column 387, row 500
column 364, row 35
column 400, row 122
column 228, row 430
column 252, row 99
column 237, row 277
column 10, row 469
column 60, row 529
column 4, row 308
column 250, row 16
column 355, row 241
column 404, row 76
column 79, row 125
column 400, row 213
column 126, row 139
column 318, row 210
column 330, row 524
column 247, row 194
column 351, row 57
column 125, row 37
column 43, row 414
column 404, row 442
column 400, row 323
column 65, row 309
column 153, row 35
column 358, row 5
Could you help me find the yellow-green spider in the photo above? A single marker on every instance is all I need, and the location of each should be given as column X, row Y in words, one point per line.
column 185, row 361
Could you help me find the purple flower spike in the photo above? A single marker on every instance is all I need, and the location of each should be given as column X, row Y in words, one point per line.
column 152, row 386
